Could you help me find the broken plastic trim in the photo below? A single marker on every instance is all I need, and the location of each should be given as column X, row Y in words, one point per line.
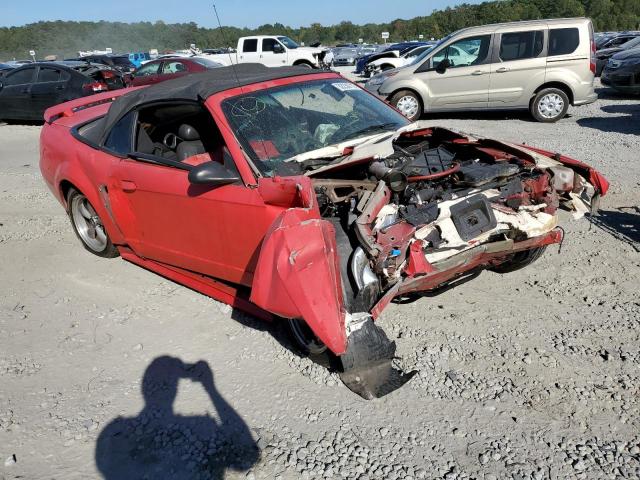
column 366, row 365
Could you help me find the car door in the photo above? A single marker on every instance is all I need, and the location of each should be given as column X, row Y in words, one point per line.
column 212, row 231
column 465, row 83
column 49, row 88
column 273, row 53
column 518, row 67
column 249, row 51
column 15, row 96
column 146, row 75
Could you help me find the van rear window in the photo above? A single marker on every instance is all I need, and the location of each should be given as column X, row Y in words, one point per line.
column 563, row 41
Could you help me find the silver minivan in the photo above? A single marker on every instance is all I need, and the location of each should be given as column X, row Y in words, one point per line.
column 542, row 65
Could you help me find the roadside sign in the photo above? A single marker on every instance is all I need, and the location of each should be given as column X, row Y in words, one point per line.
column 420, row 36
column 192, row 46
column 32, row 53
column 385, row 35
column 108, row 50
column 360, row 40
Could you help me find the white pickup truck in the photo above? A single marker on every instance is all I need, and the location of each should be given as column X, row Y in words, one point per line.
column 272, row 51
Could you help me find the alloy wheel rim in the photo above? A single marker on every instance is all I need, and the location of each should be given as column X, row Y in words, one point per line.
column 408, row 105
column 88, row 224
column 551, row 105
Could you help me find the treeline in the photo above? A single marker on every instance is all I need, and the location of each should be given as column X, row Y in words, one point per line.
column 67, row 38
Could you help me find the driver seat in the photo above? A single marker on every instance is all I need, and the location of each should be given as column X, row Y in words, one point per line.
column 191, row 144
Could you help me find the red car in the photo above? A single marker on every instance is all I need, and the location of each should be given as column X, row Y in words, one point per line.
column 163, row 69
column 294, row 194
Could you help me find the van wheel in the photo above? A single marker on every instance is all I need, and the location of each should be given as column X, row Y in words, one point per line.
column 88, row 226
column 549, row 105
column 408, row 103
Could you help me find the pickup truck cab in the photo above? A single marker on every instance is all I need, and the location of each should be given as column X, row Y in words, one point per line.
column 272, row 51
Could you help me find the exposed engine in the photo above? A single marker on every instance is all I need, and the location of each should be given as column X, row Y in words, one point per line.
column 437, row 195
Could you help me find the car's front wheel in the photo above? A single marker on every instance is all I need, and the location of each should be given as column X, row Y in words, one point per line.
column 408, row 103
column 549, row 105
column 88, row 226
column 519, row 260
column 304, row 337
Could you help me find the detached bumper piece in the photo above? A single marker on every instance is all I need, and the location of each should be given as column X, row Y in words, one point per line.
column 366, row 366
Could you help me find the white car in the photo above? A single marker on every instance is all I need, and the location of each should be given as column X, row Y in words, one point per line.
column 397, row 61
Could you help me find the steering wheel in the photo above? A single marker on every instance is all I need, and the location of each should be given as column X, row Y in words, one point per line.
column 347, row 128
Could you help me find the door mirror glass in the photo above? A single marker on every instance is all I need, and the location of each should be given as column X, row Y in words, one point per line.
column 213, row 174
column 277, row 48
column 443, row 65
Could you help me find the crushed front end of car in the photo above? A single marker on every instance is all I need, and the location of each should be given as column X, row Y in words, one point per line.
column 414, row 211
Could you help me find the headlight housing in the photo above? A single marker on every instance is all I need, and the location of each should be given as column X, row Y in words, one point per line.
column 381, row 78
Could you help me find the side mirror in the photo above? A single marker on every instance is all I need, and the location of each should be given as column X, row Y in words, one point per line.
column 443, row 65
column 213, row 174
column 277, row 48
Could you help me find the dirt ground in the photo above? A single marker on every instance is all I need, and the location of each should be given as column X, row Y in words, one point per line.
column 110, row 371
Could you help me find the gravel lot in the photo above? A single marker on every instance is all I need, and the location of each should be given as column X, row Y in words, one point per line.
column 531, row 375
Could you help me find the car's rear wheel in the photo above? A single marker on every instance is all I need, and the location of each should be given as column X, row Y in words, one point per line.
column 519, row 260
column 88, row 226
column 550, row 105
column 408, row 103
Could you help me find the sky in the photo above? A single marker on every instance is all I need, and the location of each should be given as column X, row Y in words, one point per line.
column 239, row 13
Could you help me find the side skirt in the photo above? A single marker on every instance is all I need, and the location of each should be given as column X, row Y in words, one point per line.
column 200, row 283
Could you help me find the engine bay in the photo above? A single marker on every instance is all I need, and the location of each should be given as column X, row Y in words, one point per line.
column 438, row 194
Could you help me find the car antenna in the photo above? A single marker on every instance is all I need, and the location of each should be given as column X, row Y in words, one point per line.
column 235, row 74
column 224, row 39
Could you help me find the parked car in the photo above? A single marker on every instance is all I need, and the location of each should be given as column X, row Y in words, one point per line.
column 603, row 56
column 169, row 68
column 618, row 40
column 542, row 65
column 385, row 50
column 139, row 58
column 27, row 91
column 344, row 56
column 387, row 63
column 272, row 51
column 294, row 194
column 119, row 62
column 6, row 67
column 622, row 72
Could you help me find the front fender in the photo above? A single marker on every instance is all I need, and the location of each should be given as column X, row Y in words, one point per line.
column 298, row 276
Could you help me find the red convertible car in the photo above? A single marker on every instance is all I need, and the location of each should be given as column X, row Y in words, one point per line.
column 294, row 194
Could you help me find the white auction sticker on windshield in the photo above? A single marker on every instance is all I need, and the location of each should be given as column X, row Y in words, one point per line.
column 345, row 86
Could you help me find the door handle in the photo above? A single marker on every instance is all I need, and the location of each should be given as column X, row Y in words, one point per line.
column 502, row 70
column 128, row 186
column 478, row 72
column 25, row 90
column 60, row 87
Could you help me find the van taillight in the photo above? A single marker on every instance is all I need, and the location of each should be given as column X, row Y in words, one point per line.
column 592, row 63
column 95, row 87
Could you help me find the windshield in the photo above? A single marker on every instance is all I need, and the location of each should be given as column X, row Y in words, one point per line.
column 205, row 62
column 631, row 43
column 424, row 54
column 288, row 42
column 276, row 124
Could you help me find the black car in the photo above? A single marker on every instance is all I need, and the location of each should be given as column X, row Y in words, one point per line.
column 619, row 40
column 603, row 56
column 119, row 62
column 6, row 67
column 27, row 91
column 622, row 71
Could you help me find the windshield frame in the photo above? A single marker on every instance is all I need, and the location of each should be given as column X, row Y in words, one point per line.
column 259, row 166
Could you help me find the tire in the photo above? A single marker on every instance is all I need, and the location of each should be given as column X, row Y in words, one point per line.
column 304, row 64
column 304, row 337
column 408, row 103
column 549, row 105
column 386, row 67
column 88, row 226
column 519, row 260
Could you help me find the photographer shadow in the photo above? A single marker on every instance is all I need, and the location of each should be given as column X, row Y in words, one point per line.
column 160, row 444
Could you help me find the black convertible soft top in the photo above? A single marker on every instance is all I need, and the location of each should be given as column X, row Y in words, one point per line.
column 198, row 87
